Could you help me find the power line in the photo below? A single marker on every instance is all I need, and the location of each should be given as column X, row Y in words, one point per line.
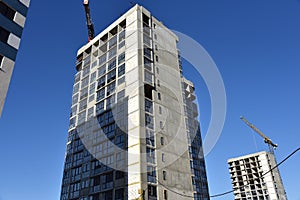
column 228, row 192
column 290, row 155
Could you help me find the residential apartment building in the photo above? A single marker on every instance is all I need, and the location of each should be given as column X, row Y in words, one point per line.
column 133, row 131
column 12, row 19
column 253, row 179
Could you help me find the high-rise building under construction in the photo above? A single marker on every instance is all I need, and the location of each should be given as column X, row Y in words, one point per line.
column 133, row 131
column 255, row 177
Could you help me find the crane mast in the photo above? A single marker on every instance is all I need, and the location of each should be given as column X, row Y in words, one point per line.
column 267, row 140
column 90, row 25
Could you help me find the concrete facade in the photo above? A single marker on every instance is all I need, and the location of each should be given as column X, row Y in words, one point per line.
column 251, row 180
column 12, row 21
column 129, row 85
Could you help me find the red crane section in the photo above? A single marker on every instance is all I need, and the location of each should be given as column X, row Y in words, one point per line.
column 90, row 25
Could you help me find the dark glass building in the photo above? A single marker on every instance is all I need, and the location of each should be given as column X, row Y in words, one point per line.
column 12, row 19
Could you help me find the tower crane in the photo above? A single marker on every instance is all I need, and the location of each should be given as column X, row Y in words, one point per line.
column 90, row 25
column 267, row 140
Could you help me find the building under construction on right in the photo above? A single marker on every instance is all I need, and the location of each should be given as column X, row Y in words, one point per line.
column 253, row 177
column 256, row 176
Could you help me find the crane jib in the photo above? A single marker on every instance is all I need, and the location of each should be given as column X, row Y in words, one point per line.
column 90, row 26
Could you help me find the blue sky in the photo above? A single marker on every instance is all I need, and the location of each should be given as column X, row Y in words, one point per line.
column 255, row 45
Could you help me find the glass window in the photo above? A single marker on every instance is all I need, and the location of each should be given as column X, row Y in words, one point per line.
column 84, row 93
column 120, row 174
column 146, row 20
column 161, row 125
column 112, row 53
column 81, row 117
column 150, row 155
column 91, row 98
column 149, row 121
column 93, row 77
column 7, row 11
column 162, row 140
column 147, row 40
column 158, row 96
column 147, row 64
column 85, row 184
column 102, row 59
column 4, row 34
column 92, row 88
column 121, row 58
column 101, row 82
column 72, row 122
column 106, row 118
column 109, row 130
column 112, row 41
column 122, row 44
column 148, row 77
column 86, row 71
column 94, row 64
column 107, row 177
column 147, row 52
column 121, row 70
column 152, row 191
column 151, row 174
column 75, row 187
column 100, row 94
column 76, row 88
column 121, row 95
column 148, row 106
column 165, row 194
column 108, row 195
column 74, row 110
column 84, row 82
column 111, row 88
column 121, row 80
column 90, row 112
column 111, row 76
column 122, row 36
column 87, row 60
column 112, row 64
column 150, row 138
column 120, row 142
column 102, row 70
column 164, row 175
column 110, row 101
column 146, row 29
column 100, row 107
column 82, row 105
column 119, row 194
column 77, row 77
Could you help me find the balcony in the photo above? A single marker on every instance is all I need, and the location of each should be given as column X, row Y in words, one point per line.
column 191, row 97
